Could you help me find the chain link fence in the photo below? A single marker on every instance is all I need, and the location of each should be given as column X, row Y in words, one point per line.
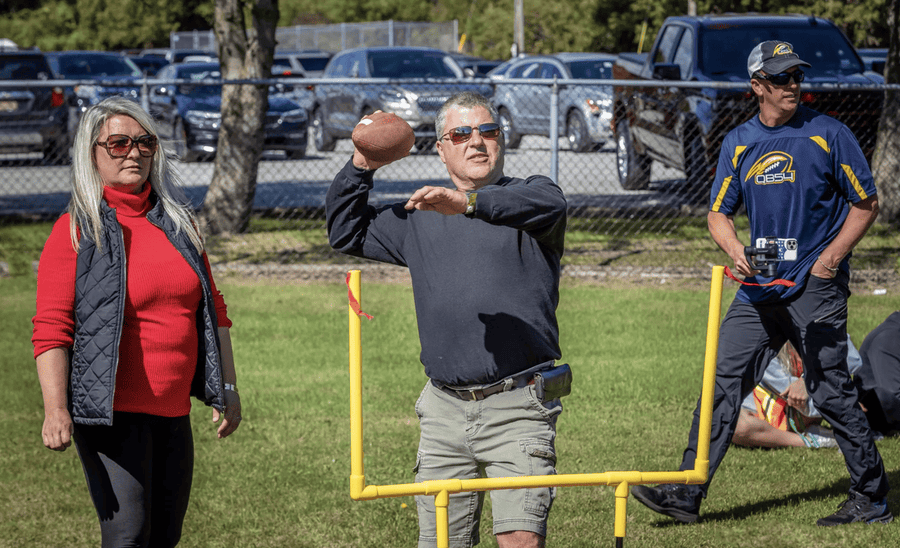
column 657, row 223
column 443, row 35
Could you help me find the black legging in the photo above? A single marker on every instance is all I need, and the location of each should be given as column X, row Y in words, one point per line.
column 139, row 473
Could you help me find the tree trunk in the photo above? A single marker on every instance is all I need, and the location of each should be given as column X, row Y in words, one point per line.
column 886, row 161
column 244, row 52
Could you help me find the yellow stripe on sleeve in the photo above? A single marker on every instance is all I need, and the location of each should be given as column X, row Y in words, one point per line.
column 737, row 152
column 721, row 195
column 821, row 142
column 854, row 181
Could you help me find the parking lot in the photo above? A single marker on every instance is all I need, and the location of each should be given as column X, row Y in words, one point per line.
column 589, row 179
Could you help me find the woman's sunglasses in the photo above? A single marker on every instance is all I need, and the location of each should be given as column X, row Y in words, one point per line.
column 118, row 146
column 782, row 78
column 462, row 134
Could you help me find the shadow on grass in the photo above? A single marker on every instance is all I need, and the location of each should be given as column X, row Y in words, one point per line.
column 838, row 489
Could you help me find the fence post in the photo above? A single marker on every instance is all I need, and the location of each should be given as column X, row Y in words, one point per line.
column 554, row 131
column 145, row 95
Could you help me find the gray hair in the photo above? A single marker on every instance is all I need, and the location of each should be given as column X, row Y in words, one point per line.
column 87, row 187
column 466, row 99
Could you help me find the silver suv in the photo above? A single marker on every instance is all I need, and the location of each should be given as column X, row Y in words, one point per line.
column 585, row 112
column 339, row 105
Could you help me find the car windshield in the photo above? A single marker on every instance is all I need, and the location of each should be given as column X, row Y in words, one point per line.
column 95, row 66
column 725, row 49
column 313, row 63
column 408, row 64
column 197, row 74
column 21, row 68
column 591, row 70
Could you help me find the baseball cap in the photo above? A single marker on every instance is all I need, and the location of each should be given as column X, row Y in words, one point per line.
column 773, row 57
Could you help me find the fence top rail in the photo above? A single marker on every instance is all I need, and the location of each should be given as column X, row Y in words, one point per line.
column 744, row 86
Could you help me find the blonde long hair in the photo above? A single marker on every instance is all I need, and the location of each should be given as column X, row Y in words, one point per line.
column 87, row 187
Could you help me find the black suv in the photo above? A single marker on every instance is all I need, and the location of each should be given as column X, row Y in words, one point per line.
column 339, row 106
column 32, row 118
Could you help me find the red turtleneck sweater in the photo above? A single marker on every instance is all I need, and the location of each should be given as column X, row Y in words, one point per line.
column 158, row 348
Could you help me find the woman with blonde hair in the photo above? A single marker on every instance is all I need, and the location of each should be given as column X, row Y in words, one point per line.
column 129, row 325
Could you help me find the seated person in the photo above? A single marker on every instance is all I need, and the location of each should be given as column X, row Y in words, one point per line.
column 878, row 379
column 779, row 413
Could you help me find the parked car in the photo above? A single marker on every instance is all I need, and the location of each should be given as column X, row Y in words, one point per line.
column 301, row 94
column 500, row 71
column 339, row 106
column 149, row 64
column 32, row 118
column 874, row 59
column 177, row 55
column 200, row 58
column 99, row 66
column 190, row 114
column 473, row 66
column 311, row 63
column 585, row 111
column 683, row 127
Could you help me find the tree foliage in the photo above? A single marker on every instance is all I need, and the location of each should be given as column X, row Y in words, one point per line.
column 102, row 24
column 562, row 25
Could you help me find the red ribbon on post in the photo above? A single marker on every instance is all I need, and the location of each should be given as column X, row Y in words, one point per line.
column 354, row 304
column 778, row 281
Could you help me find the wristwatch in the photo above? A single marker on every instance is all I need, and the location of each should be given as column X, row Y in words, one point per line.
column 470, row 205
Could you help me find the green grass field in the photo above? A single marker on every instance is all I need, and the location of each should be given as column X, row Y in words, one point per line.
column 282, row 479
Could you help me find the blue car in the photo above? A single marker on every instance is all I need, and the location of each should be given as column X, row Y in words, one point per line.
column 115, row 74
column 32, row 118
column 190, row 114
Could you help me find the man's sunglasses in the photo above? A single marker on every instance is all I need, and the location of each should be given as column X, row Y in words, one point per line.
column 119, row 146
column 462, row 134
column 782, row 78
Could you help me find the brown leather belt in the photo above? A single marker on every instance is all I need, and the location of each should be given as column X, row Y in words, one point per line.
column 478, row 394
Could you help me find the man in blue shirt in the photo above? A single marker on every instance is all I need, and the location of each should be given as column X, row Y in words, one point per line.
column 801, row 175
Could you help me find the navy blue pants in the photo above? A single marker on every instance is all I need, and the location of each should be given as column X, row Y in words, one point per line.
column 816, row 324
column 139, row 473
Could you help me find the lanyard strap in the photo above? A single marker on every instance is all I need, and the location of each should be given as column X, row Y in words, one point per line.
column 777, row 281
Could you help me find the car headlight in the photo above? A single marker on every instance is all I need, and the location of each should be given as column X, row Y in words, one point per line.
column 91, row 94
column 295, row 116
column 598, row 106
column 204, row 119
column 395, row 100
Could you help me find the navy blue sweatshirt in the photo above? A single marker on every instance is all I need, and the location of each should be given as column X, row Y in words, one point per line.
column 486, row 287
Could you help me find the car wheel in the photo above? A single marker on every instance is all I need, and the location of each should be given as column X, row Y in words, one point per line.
column 697, row 171
column 513, row 139
column 321, row 139
column 182, row 151
column 633, row 168
column 577, row 133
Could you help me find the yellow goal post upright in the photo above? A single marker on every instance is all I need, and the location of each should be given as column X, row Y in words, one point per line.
column 441, row 489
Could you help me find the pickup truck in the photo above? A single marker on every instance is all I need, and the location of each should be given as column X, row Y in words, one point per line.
column 683, row 127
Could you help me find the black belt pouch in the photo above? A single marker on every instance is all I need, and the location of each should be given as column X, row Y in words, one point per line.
column 553, row 383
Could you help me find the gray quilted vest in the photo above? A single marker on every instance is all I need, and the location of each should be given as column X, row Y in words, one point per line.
column 99, row 309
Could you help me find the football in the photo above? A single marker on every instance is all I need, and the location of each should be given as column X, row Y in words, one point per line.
column 383, row 137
